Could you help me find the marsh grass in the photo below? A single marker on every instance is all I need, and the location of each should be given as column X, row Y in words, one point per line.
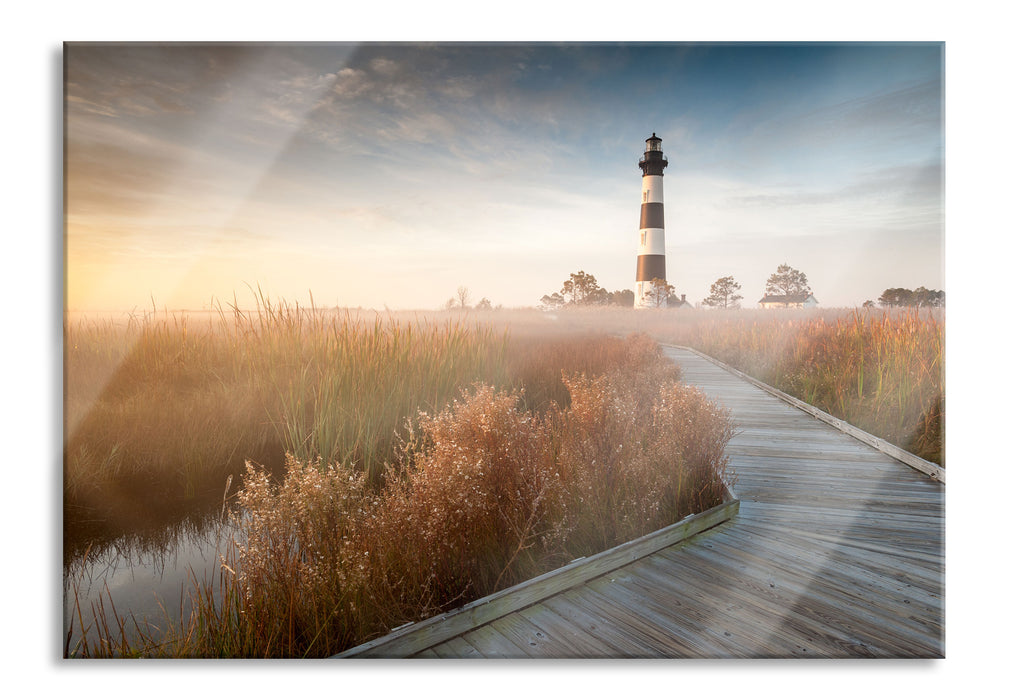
column 161, row 410
column 488, row 494
column 428, row 463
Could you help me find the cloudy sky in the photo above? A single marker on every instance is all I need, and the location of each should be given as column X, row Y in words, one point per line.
column 390, row 174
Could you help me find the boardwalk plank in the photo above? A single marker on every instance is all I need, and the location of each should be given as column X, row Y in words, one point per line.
column 657, row 623
column 726, row 609
column 458, row 648
column 825, row 603
column 587, row 618
column 492, row 644
column 582, row 644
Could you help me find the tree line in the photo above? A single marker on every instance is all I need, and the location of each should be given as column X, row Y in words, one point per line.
column 582, row 289
column 899, row 296
column 462, row 301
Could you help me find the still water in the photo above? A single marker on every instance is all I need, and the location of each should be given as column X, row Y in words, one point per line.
column 146, row 577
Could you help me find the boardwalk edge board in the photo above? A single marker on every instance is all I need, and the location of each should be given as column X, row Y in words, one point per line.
column 410, row 638
column 914, row 461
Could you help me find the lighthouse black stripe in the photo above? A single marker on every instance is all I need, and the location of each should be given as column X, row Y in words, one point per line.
column 650, row 267
column 652, row 215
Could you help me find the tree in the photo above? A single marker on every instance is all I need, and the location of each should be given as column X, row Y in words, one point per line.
column 929, row 297
column 581, row 289
column 463, row 295
column 789, row 282
column 896, row 296
column 900, row 296
column 723, row 294
column 551, row 302
column 484, row 305
column 450, row 304
column 659, row 294
column 623, row 297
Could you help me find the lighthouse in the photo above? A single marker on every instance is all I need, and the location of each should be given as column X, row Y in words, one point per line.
column 652, row 234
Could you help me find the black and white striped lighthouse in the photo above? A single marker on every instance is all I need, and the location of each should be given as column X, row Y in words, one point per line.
column 652, row 236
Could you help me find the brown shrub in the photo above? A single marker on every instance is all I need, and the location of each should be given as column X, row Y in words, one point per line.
column 637, row 457
column 476, row 510
column 490, row 495
column 297, row 583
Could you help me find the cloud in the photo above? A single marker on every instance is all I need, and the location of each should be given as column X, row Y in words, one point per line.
column 915, row 107
column 460, row 156
column 392, row 94
column 839, row 128
column 384, row 66
column 142, row 79
column 99, row 242
column 917, row 187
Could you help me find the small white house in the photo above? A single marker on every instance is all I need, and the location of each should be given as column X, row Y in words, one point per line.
column 681, row 303
column 782, row 301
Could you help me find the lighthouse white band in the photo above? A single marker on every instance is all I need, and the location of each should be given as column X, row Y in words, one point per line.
column 651, row 189
column 651, row 241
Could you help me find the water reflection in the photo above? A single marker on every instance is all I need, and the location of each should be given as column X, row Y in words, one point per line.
column 146, row 576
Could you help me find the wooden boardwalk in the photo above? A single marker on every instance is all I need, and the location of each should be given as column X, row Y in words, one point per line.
column 837, row 550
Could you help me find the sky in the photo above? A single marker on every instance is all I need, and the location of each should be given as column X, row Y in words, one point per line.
column 390, row 174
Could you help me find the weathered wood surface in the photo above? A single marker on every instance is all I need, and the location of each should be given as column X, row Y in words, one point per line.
column 411, row 638
column 837, row 550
